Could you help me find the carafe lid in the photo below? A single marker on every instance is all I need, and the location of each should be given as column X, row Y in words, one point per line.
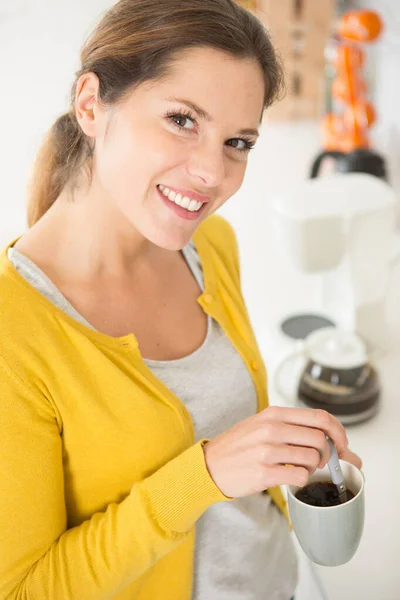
column 336, row 348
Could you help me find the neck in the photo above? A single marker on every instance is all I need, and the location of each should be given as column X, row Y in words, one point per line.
column 90, row 244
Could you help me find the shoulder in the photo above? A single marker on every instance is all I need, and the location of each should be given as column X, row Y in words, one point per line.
column 216, row 235
column 15, row 313
column 216, row 241
column 10, row 297
column 22, row 318
column 218, row 232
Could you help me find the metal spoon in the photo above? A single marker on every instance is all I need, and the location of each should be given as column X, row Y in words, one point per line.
column 336, row 472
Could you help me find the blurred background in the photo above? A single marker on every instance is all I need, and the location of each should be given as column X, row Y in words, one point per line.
column 317, row 233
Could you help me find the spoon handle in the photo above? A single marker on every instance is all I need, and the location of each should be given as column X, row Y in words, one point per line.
column 336, row 471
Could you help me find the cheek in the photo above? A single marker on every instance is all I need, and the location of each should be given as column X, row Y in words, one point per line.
column 142, row 157
column 241, row 172
column 164, row 152
column 233, row 182
column 118, row 162
column 237, row 173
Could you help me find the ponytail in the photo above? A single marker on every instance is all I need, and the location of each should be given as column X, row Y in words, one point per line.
column 63, row 149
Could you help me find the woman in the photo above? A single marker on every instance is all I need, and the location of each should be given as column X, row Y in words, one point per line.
column 134, row 403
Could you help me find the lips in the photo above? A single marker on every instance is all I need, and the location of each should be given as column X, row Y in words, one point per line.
column 189, row 193
column 179, row 210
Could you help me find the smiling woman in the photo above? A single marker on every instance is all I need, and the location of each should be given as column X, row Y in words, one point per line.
column 147, row 53
column 135, row 435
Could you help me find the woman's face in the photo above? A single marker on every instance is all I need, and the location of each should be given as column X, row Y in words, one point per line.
column 177, row 149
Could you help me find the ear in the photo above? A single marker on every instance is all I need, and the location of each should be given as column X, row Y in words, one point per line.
column 88, row 109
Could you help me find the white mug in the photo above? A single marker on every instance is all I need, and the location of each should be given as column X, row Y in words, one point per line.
column 330, row 535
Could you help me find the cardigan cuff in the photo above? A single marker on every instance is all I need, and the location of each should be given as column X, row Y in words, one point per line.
column 182, row 490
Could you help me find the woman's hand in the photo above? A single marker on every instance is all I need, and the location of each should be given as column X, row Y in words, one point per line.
column 350, row 457
column 278, row 446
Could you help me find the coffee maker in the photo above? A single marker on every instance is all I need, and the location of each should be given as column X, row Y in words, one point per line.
column 343, row 227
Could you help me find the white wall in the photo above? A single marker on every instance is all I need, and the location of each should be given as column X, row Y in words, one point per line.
column 39, row 50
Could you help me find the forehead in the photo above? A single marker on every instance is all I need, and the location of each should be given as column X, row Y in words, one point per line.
column 216, row 81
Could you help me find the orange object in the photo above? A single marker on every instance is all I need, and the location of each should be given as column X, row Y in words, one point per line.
column 330, row 142
column 332, row 127
column 332, row 124
column 360, row 26
column 341, row 88
column 364, row 114
column 348, row 54
column 349, row 142
column 328, row 122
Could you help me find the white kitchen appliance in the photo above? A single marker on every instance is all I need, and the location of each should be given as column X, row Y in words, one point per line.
column 343, row 227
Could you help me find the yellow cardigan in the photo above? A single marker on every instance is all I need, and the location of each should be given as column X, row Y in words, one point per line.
column 102, row 481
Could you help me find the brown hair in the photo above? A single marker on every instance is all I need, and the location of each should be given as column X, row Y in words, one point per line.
column 136, row 41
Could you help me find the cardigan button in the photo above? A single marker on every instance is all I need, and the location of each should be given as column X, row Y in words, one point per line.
column 255, row 365
column 208, row 298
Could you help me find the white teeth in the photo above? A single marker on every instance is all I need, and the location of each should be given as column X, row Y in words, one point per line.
column 184, row 201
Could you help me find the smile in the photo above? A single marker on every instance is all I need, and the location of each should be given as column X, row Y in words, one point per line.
column 183, row 201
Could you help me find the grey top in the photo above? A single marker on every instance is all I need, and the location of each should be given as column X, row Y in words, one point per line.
column 243, row 548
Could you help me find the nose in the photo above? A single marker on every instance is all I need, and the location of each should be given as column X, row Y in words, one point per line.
column 207, row 163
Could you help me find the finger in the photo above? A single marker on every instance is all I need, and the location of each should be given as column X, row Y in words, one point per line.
column 351, row 457
column 296, row 435
column 285, row 475
column 311, row 417
column 284, row 454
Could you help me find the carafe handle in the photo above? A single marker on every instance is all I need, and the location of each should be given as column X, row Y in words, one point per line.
column 320, row 158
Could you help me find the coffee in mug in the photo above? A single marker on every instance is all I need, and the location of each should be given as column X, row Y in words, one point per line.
column 322, row 493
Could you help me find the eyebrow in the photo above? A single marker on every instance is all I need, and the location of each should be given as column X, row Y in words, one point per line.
column 204, row 115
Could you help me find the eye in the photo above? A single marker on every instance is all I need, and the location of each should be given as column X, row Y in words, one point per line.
column 186, row 121
column 182, row 120
column 241, row 144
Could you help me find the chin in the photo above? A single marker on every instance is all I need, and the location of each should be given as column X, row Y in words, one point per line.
column 168, row 240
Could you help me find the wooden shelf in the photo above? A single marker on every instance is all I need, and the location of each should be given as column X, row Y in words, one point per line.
column 299, row 30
